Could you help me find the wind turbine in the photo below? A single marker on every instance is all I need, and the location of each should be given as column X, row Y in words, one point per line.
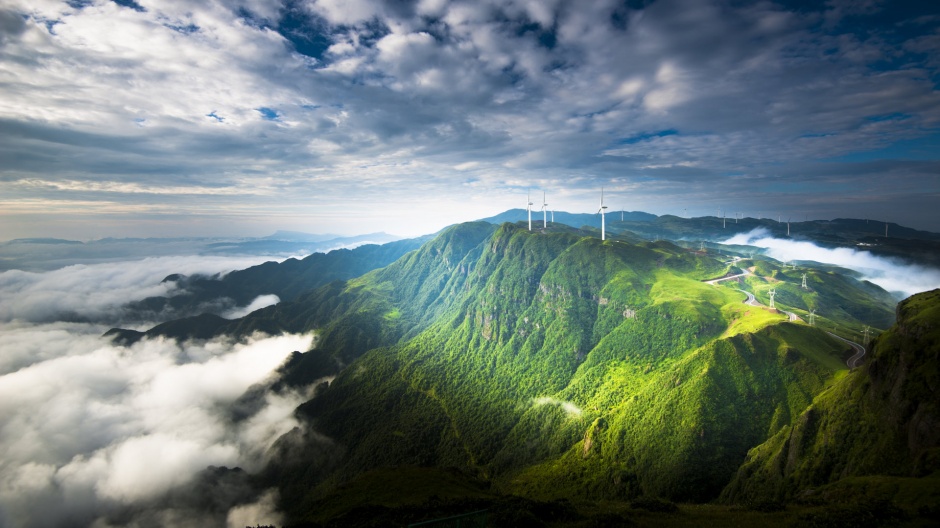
column 788, row 226
column 544, row 211
column 528, row 207
column 601, row 211
column 553, row 216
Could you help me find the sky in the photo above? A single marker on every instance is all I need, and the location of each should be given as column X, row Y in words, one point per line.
column 133, row 118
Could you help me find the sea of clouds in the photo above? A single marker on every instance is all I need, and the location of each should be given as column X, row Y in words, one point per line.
column 96, row 434
column 899, row 278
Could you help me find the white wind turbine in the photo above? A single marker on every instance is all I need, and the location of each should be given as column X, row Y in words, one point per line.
column 544, row 211
column 601, row 211
column 528, row 208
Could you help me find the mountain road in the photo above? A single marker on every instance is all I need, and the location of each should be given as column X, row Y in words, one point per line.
column 859, row 351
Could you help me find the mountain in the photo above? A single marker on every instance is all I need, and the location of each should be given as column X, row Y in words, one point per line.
column 920, row 247
column 575, row 220
column 877, row 427
column 287, row 279
column 42, row 254
column 289, row 242
column 497, row 367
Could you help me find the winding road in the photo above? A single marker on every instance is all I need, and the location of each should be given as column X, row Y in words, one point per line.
column 752, row 301
column 859, row 351
column 716, row 281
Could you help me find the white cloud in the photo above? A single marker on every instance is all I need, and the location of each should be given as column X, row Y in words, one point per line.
column 891, row 275
column 570, row 408
column 259, row 302
column 262, row 512
column 93, row 427
column 98, row 291
column 526, row 89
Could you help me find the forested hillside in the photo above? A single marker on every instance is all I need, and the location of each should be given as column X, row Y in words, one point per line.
column 556, row 365
column 550, row 365
column 879, row 426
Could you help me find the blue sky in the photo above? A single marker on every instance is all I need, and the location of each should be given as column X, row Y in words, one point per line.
column 147, row 118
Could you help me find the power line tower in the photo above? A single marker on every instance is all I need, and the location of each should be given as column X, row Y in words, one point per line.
column 812, row 318
column 866, row 331
column 772, row 292
column 804, row 282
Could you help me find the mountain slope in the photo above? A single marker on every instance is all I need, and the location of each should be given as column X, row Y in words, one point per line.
column 881, row 419
column 288, row 280
column 559, row 365
column 547, row 363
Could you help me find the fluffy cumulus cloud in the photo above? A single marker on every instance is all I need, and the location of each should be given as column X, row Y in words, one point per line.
column 235, row 112
column 897, row 277
column 91, row 430
column 93, row 433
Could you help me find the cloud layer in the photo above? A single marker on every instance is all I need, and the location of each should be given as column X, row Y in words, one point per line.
column 91, row 430
column 96, row 292
column 233, row 115
column 895, row 277
column 92, row 433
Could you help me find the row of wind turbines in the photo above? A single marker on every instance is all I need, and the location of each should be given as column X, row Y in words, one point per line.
column 602, row 209
column 544, row 210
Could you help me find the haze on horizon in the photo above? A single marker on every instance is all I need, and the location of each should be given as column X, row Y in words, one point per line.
column 242, row 117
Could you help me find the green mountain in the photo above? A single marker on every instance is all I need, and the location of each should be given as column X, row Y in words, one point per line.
column 495, row 365
column 287, row 279
column 877, row 428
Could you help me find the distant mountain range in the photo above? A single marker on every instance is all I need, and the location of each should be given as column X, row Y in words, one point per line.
column 37, row 254
column 553, row 379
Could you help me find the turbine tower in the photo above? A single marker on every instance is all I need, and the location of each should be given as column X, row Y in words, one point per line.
column 528, row 207
column 886, row 229
column 553, row 216
column 544, row 211
column 788, row 226
column 601, row 211
column 772, row 292
column 804, row 282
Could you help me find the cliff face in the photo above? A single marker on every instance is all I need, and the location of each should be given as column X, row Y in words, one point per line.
column 880, row 419
column 905, row 373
